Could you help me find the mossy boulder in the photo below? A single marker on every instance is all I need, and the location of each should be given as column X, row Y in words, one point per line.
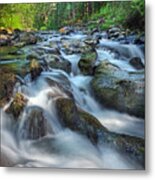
column 35, row 69
column 17, row 105
column 27, row 38
column 78, row 120
column 7, row 82
column 118, row 89
column 87, row 62
column 84, row 123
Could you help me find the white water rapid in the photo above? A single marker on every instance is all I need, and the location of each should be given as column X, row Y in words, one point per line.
column 62, row 147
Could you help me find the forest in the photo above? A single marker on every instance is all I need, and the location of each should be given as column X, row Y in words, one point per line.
column 48, row 16
column 72, row 84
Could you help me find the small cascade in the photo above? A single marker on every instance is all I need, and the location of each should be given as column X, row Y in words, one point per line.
column 124, row 51
column 37, row 137
column 73, row 59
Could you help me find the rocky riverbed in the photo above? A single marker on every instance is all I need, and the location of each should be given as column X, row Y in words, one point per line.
column 72, row 98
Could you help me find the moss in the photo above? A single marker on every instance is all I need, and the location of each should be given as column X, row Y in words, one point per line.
column 35, row 69
column 7, row 82
column 5, row 57
column 78, row 120
column 65, row 65
column 66, row 110
column 87, row 62
column 117, row 89
column 131, row 145
column 34, row 64
column 90, row 120
column 17, row 105
column 8, row 50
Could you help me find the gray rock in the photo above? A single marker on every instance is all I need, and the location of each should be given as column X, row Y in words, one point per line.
column 119, row 90
column 137, row 63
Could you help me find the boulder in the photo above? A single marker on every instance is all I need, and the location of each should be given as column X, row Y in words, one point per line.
column 35, row 69
column 114, row 32
column 17, row 105
column 27, row 38
column 84, row 123
column 63, row 85
column 4, row 40
column 118, row 89
column 78, row 120
column 87, row 62
column 137, row 63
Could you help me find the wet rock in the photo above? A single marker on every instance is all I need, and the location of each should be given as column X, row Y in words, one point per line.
column 137, row 63
column 118, row 89
column 87, row 62
column 84, row 123
column 17, row 105
column 95, row 30
column 7, row 82
column 66, row 30
column 36, row 125
column 3, row 31
column 32, row 56
column 114, row 29
column 28, row 38
column 4, row 40
column 63, row 85
column 78, row 120
column 114, row 32
column 91, row 42
column 140, row 39
column 71, row 46
column 63, row 65
column 35, row 69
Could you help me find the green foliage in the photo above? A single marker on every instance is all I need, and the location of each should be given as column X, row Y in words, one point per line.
column 54, row 15
column 136, row 18
column 138, row 5
column 114, row 13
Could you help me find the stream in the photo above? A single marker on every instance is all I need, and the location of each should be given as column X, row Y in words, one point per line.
column 62, row 147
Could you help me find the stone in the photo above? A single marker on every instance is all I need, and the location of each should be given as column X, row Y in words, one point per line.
column 17, row 105
column 87, row 62
column 78, row 120
column 35, row 69
column 118, row 89
column 137, row 63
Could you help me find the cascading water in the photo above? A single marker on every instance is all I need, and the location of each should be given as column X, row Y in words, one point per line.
column 62, row 147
